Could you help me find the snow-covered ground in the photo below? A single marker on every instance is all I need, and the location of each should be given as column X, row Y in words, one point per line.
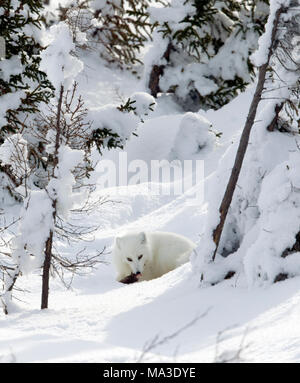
column 172, row 318
column 105, row 322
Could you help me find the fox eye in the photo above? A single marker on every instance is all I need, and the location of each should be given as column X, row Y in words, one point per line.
column 141, row 256
column 129, row 259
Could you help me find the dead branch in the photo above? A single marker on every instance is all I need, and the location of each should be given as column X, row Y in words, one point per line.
column 157, row 341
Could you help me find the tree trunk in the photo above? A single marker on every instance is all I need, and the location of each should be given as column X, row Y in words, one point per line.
column 157, row 71
column 46, row 271
column 49, row 242
column 244, row 140
column 8, row 292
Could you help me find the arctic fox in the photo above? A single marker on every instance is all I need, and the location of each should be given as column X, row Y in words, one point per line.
column 149, row 255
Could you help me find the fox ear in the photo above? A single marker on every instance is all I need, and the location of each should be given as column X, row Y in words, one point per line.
column 143, row 237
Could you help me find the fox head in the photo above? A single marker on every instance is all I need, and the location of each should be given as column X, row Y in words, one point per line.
column 134, row 251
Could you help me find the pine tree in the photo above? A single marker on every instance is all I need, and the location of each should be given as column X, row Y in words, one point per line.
column 201, row 36
column 20, row 75
column 122, row 28
column 23, row 86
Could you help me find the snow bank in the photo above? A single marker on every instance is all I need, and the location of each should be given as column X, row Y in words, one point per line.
column 193, row 138
column 278, row 225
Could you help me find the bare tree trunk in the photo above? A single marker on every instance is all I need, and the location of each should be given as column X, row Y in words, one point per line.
column 157, row 71
column 46, row 271
column 244, row 140
column 49, row 242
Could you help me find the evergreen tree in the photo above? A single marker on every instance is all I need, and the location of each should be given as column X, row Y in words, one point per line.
column 20, row 75
column 200, row 37
column 122, row 28
column 23, row 86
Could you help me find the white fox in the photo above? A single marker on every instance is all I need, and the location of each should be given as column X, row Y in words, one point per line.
column 149, row 255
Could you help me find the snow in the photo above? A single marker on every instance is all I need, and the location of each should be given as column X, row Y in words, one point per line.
column 194, row 136
column 58, row 59
column 10, row 100
column 89, row 327
column 277, row 198
column 107, row 8
column 110, row 117
column 14, row 152
column 33, row 231
column 60, row 187
column 101, row 320
column 10, row 67
column 195, row 66
column 261, row 55
column 142, row 102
